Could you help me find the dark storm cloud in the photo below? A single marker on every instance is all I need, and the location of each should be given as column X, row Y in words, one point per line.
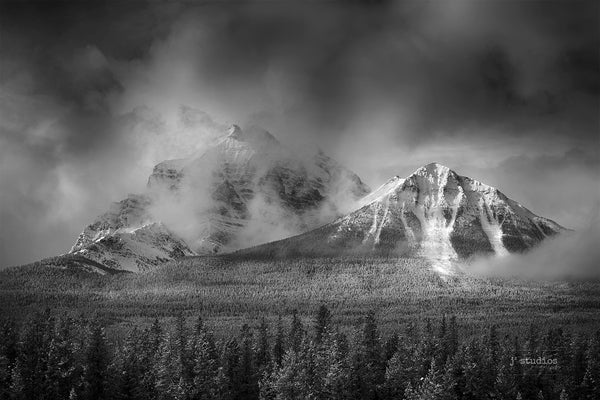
column 436, row 69
column 89, row 91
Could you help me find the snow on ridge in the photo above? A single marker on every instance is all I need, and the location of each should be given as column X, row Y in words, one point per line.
column 381, row 192
column 492, row 228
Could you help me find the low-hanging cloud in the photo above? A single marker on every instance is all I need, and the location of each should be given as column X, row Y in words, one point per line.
column 91, row 95
column 571, row 255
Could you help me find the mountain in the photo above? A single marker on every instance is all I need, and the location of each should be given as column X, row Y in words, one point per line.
column 434, row 213
column 241, row 188
column 127, row 238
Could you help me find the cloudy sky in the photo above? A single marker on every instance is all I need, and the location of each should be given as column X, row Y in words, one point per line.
column 506, row 92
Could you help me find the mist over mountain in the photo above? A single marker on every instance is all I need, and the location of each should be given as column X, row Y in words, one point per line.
column 241, row 189
column 91, row 95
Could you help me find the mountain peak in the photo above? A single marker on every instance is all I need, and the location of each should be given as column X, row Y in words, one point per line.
column 433, row 176
column 253, row 134
column 433, row 168
column 252, row 188
column 235, row 132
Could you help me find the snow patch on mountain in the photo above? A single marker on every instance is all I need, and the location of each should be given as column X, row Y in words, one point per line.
column 492, row 228
column 433, row 181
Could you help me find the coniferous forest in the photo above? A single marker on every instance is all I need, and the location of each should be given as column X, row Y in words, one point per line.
column 52, row 357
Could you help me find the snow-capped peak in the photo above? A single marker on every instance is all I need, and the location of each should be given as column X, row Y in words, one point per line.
column 434, row 168
column 435, row 173
column 235, row 132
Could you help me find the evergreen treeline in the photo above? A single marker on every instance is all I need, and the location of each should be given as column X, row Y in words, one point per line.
column 65, row 358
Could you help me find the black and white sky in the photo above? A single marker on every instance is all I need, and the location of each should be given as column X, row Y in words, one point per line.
column 507, row 92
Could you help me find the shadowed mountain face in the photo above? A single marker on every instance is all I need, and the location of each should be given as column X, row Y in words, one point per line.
column 435, row 214
column 242, row 189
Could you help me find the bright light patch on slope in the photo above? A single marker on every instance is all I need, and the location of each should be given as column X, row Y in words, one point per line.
column 492, row 229
column 384, row 190
column 385, row 214
column 373, row 227
column 436, row 245
column 376, row 227
column 410, row 235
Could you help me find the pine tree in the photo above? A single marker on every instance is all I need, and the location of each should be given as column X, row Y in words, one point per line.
column 199, row 326
column 296, row 332
column 539, row 396
column 128, row 369
column 59, row 374
column 477, row 384
column 322, row 322
column 577, row 366
column 493, row 344
column 5, row 393
column 170, row 370
column 591, row 378
column 183, row 347
column 333, row 366
column 222, row 386
column 409, row 393
column 505, row 386
column 96, row 363
column 155, row 336
column 31, row 361
column 391, row 346
column 402, row 369
column 427, row 348
column 261, row 349
column 485, row 372
column 431, row 388
column 205, row 368
column 311, row 371
column 266, row 385
column 247, row 378
column 230, row 361
column 451, row 339
column 369, row 363
column 279, row 345
column 9, row 339
column 396, row 379
column 149, row 356
column 286, row 384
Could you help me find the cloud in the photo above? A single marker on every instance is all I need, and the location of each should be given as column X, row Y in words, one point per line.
column 90, row 96
column 570, row 255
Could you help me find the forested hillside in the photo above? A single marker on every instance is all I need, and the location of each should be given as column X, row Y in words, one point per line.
column 231, row 291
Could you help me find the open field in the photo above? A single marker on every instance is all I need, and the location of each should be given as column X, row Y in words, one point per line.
column 228, row 291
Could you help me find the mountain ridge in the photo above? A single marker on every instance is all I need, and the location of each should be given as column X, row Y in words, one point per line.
column 244, row 187
column 434, row 214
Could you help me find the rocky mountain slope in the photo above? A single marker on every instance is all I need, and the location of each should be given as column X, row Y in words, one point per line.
column 241, row 189
column 434, row 213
